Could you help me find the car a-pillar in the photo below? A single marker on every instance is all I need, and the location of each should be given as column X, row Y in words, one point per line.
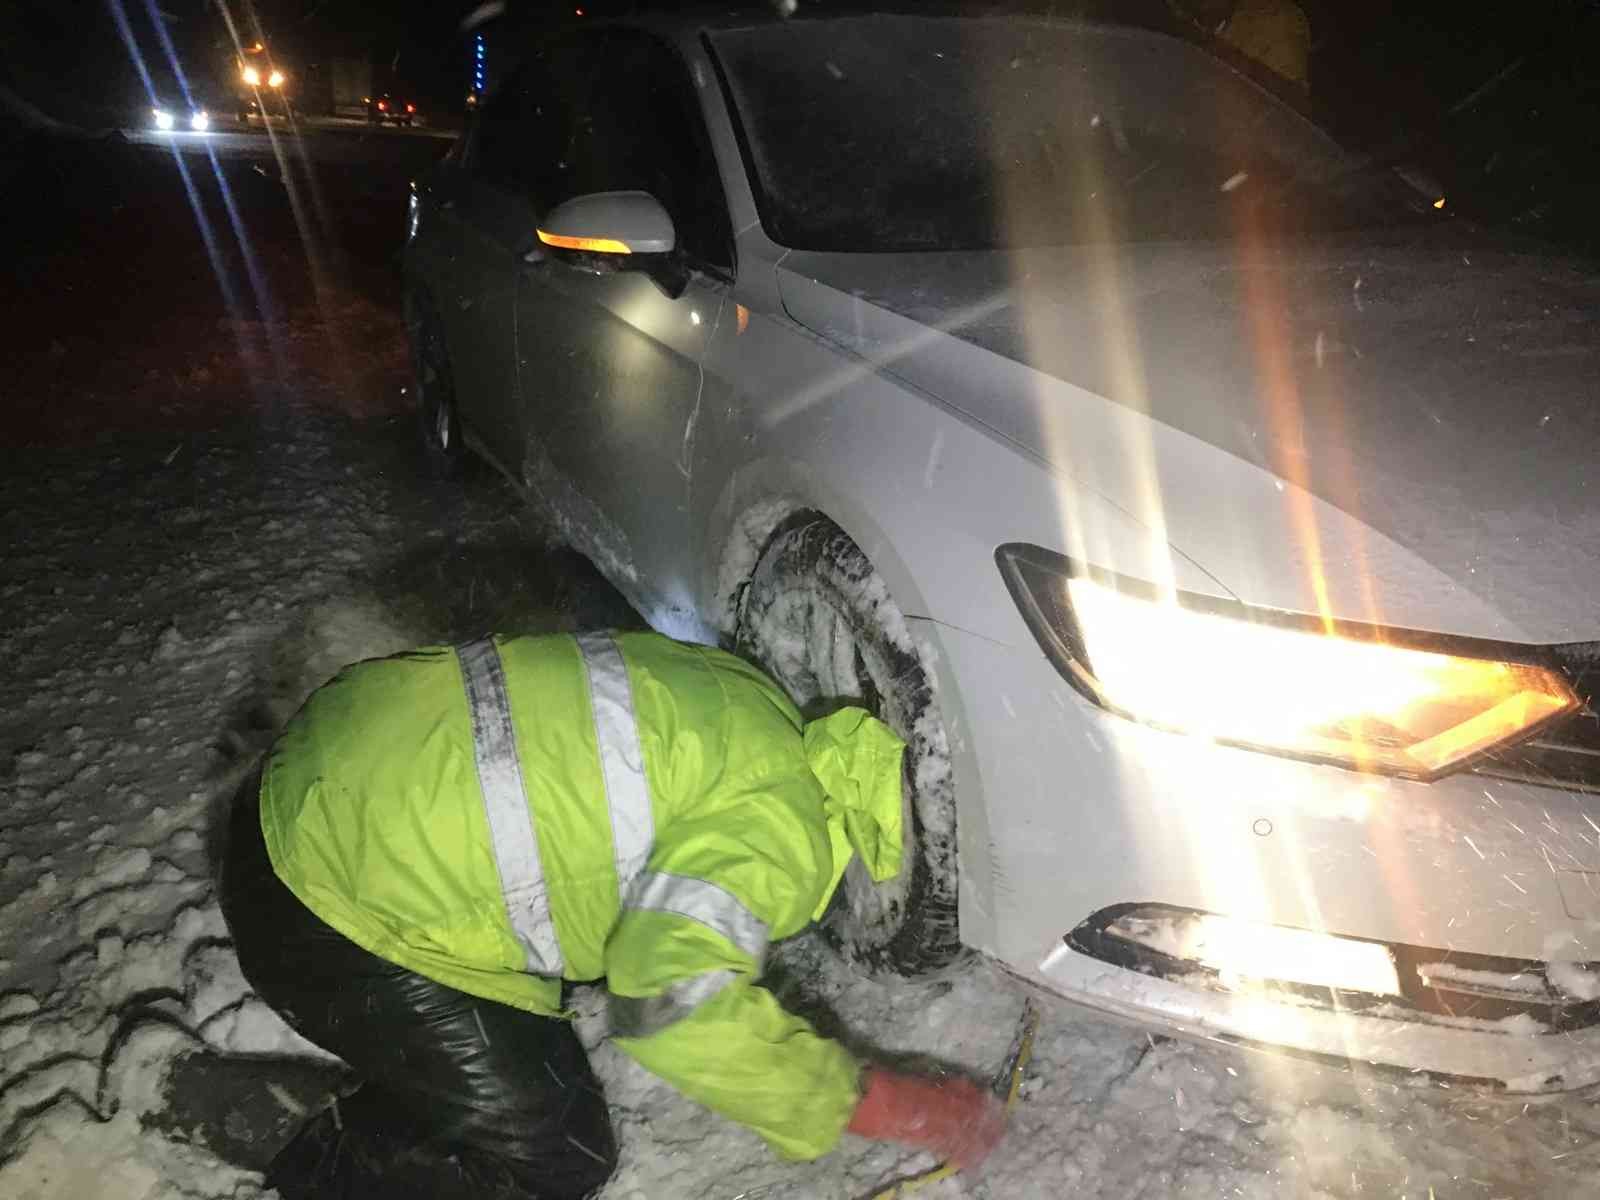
column 817, row 616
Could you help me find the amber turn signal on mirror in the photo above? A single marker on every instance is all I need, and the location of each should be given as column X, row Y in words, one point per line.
column 593, row 245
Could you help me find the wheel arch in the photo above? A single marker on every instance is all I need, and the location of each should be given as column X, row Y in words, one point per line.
column 764, row 494
column 753, row 505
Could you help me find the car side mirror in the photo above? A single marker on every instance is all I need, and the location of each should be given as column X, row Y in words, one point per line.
column 610, row 223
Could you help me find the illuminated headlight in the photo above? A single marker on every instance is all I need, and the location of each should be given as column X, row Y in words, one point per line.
column 163, row 118
column 1361, row 697
column 275, row 79
column 199, row 121
column 252, row 76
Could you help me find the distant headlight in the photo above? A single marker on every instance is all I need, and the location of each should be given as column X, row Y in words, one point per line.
column 275, row 79
column 199, row 121
column 163, row 118
column 1278, row 682
column 252, row 76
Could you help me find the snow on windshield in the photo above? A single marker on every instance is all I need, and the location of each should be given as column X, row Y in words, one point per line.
column 910, row 133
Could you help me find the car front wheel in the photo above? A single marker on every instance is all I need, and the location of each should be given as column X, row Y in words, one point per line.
column 434, row 387
column 820, row 620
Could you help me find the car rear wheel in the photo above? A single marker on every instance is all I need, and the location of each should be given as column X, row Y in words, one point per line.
column 820, row 620
column 434, row 386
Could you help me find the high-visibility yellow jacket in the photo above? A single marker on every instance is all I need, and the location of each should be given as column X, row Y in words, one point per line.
column 510, row 813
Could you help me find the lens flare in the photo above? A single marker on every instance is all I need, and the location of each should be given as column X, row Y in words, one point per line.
column 1247, row 952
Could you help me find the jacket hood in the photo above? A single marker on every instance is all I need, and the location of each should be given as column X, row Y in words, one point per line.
column 856, row 759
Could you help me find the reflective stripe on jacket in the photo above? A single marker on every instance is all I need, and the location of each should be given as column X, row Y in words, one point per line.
column 514, row 812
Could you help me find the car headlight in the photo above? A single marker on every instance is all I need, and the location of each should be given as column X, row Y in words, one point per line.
column 252, row 76
column 163, row 118
column 1356, row 695
column 275, row 79
column 199, row 121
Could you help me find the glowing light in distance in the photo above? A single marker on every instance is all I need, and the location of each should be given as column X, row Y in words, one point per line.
column 275, row 79
column 199, row 121
column 163, row 118
column 1362, row 703
column 251, row 76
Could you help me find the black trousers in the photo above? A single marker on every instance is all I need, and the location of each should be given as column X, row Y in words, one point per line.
column 460, row 1096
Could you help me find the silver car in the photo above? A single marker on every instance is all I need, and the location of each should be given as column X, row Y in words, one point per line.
column 1207, row 509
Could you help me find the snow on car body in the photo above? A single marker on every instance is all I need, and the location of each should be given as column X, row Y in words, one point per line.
column 944, row 447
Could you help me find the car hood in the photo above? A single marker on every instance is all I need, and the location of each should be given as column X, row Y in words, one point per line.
column 1406, row 424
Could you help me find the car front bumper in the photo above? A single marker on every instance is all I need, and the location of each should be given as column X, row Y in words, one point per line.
column 1069, row 813
column 1510, row 1059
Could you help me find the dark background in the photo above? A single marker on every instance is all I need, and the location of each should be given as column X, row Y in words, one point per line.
column 157, row 287
column 1500, row 102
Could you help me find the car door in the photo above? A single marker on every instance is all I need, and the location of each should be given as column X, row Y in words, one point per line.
column 610, row 364
column 494, row 221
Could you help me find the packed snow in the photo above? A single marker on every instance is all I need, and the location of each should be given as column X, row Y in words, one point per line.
column 169, row 601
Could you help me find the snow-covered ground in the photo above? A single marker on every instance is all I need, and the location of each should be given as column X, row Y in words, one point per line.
column 166, row 601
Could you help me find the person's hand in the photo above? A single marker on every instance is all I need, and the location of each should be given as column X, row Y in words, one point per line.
column 955, row 1118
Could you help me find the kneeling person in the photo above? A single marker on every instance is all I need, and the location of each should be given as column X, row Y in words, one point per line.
column 441, row 838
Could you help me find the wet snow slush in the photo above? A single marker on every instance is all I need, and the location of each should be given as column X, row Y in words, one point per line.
column 168, row 600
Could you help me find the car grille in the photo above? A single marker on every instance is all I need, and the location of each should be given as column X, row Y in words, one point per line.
column 1565, row 754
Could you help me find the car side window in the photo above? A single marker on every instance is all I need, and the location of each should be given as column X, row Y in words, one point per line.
column 497, row 138
column 635, row 123
column 520, row 134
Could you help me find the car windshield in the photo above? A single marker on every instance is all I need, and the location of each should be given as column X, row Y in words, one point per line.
column 887, row 133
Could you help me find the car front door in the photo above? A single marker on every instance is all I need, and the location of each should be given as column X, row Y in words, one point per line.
column 610, row 364
column 495, row 218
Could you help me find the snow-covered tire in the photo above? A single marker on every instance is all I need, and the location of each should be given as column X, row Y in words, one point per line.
column 821, row 621
column 433, row 384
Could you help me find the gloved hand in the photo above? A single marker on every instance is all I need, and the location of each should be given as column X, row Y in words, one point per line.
column 954, row 1117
